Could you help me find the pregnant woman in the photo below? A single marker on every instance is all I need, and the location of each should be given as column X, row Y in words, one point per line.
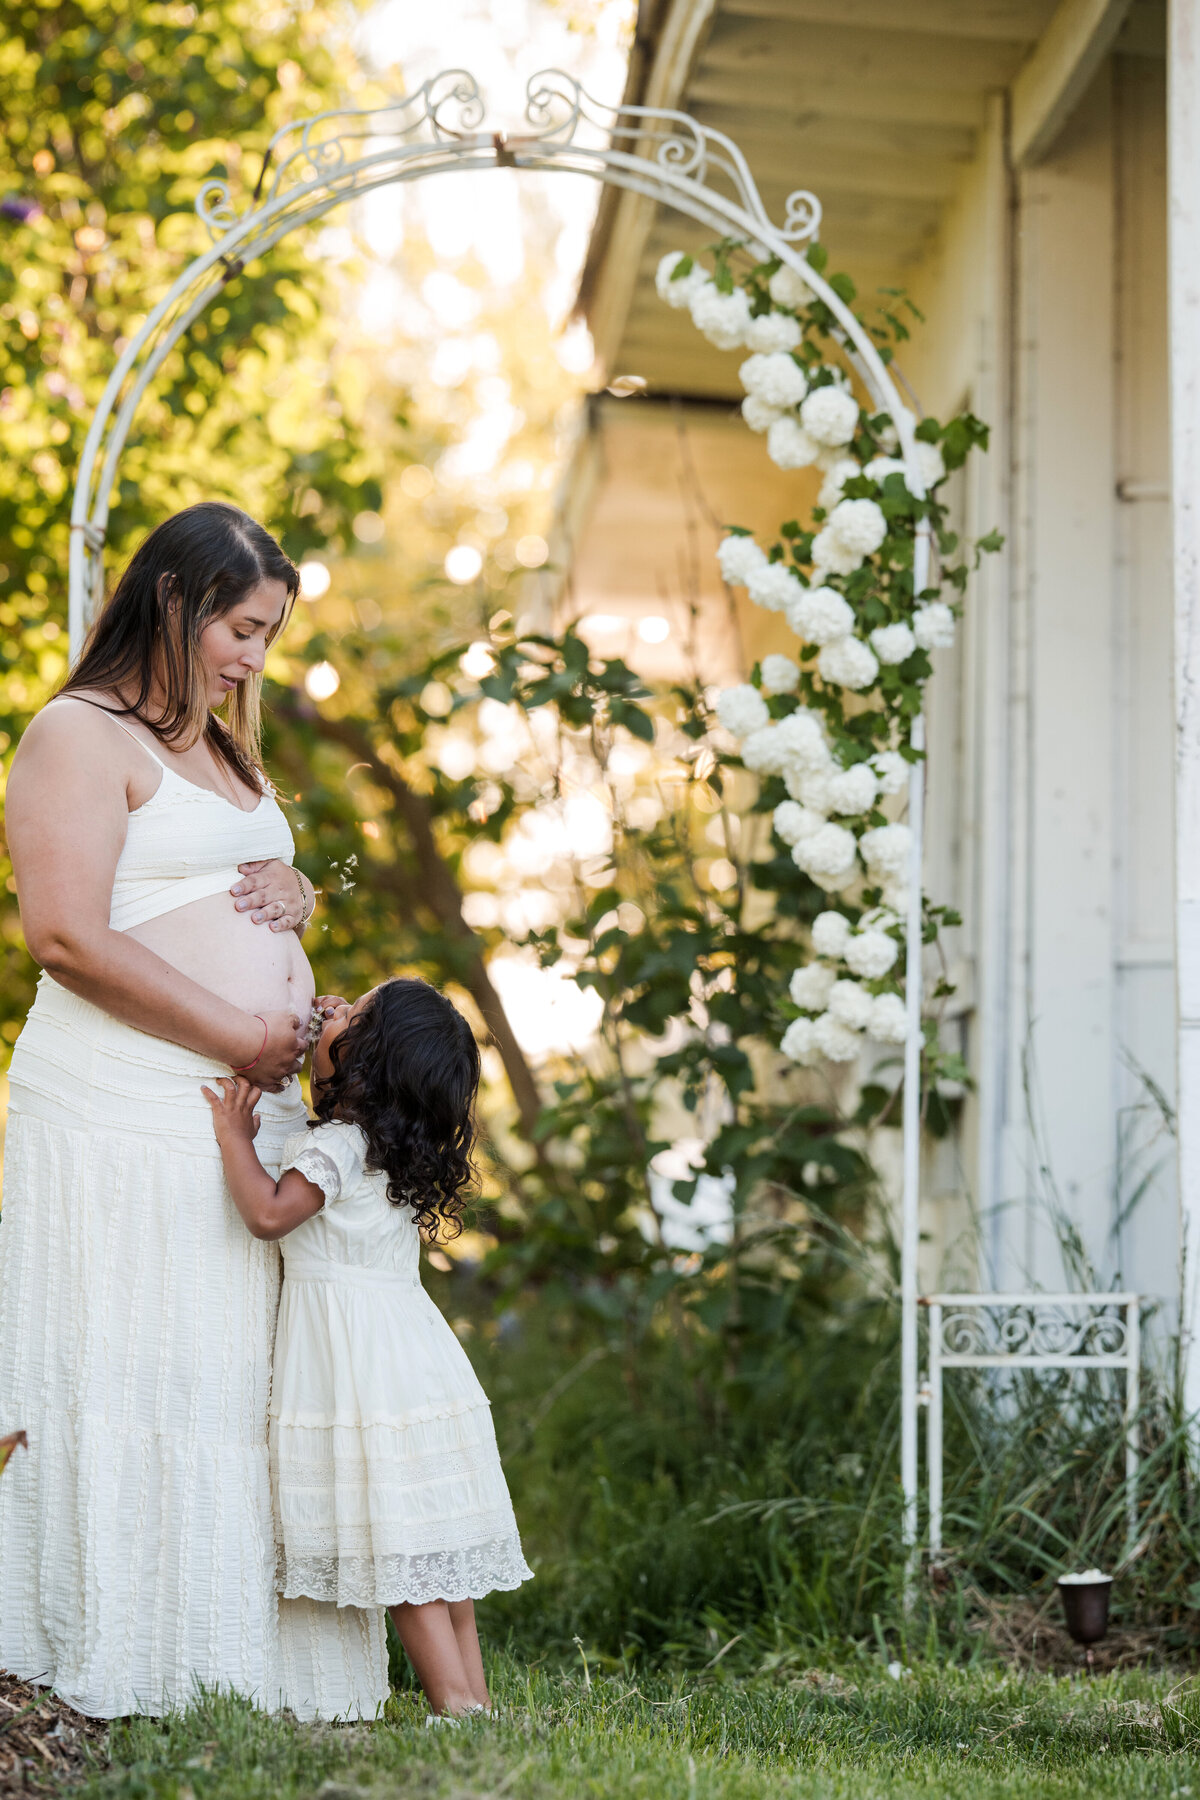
column 137, row 1555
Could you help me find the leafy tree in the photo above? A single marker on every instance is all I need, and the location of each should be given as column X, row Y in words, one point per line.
column 112, row 117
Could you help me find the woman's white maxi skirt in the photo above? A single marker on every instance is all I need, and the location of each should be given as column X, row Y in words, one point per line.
column 137, row 1553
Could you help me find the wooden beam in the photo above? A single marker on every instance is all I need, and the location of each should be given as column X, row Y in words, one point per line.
column 1048, row 88
column 790, row 124
column 788, row 55
column 1021, row 21
column 851, row 102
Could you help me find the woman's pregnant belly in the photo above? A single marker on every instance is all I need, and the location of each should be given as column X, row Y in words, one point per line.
column 224, row 951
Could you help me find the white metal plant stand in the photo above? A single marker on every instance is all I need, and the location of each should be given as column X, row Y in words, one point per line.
column 1031, row 1331
column 670, row 158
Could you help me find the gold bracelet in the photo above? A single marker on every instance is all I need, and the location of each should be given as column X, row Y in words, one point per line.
column 304, row 917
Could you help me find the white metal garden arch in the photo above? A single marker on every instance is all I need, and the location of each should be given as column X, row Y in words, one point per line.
column 669, row 157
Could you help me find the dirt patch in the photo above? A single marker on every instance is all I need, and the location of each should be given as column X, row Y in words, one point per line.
column 43, row 1742
column 1031, row 1633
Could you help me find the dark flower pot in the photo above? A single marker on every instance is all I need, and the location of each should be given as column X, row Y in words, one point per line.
column 1085, row 1606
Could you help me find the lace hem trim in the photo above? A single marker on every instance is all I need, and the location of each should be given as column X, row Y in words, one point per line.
column 405, row 1580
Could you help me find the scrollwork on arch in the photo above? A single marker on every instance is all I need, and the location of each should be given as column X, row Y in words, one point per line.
column 557, row 106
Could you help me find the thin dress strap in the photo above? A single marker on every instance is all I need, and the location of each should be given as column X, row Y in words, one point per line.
column 109, row 714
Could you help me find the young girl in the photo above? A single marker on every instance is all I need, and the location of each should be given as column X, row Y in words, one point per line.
column 387, row 1482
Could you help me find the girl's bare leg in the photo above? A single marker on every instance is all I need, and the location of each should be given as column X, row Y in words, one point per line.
column 431, row 1645
column 462, row 1618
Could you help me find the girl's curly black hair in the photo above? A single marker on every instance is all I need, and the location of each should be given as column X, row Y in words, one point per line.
column 406, row 1070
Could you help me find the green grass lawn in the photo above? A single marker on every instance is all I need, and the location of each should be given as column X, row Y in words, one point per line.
column 935, row 1732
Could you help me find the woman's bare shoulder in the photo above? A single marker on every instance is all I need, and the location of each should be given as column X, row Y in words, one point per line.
column 68, row 728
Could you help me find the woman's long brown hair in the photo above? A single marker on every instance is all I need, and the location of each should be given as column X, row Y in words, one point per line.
column 193, row 568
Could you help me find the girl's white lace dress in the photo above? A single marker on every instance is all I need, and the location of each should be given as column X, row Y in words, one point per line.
column 137, row 1553
column 384, row 1465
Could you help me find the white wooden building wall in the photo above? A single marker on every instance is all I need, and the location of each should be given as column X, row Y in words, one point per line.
column 1051, row 793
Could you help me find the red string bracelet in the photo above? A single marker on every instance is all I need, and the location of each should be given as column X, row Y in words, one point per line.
column 266, row 1033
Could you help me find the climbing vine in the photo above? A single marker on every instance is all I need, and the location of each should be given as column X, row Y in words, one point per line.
column 827, row 730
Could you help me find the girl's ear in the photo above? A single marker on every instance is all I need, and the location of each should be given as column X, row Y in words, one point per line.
column 168, row 592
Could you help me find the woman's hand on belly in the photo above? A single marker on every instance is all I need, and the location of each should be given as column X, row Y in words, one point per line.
column 228, row 954
column 274, row 894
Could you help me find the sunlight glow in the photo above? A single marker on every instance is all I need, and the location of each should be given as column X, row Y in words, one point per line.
column 322, row 681
column 532, row 551
column 689, row 1225
column 314, row 580
column 476, row 661
column 462, row 565
column 654, row 630
column 548, row 1012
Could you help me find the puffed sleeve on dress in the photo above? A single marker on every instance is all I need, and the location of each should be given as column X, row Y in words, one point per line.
column 331, row 1156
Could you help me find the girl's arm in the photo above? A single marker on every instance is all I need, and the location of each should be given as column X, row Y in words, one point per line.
column 270, row 1208
column 67, row 811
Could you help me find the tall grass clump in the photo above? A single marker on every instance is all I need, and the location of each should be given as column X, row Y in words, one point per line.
column 681, row 1504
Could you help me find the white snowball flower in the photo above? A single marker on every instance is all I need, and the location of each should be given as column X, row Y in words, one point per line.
column 829, row 851
column 678, row 293
column 764, row 752
column 850, row 1004
column 832, row 557
column 802, row 738
column 895, row 897
column 774, row 331
column 742, row 710
column 789, row 446
column 888, row 1023
column 776, row 378
column 779, row 675
column 799, row 1042
column 835, row 1040
column 871, row 954
column 757, row 414
column 848, row 663
column 819, row 615
column 811, row 987
column 853, row 790
column 830, row 934
column 773, row 586
column 892, row 770
column 787, row 288
column 723, row 318
column 859, row 524
column 740, row 558
column 880, row 467
column 842, row 470
column 933, row 625
column 893, row 643
column 813, row 788
column 794, row 822
column 885, row 849
column 830, row 415
column 931, row 464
